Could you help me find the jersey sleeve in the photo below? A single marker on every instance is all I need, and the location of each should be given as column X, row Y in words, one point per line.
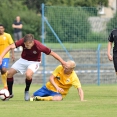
column 76, row 82
column 10, row 39
column 19, row 42
column 110, row 38
column 43, row 48
column 57, row 69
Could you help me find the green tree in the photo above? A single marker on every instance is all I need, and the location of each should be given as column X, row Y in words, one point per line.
column 67, row 24
column 112, row 23
column 36, row 4
column 10, row 9
column 90, row 3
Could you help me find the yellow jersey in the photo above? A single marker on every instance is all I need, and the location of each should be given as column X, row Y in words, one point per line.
column 64, row 81
column 5, row 41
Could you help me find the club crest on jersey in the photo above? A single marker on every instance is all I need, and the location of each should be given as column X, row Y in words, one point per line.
column 34, row 52
column 68, row 80
column 58, row 77
column 4, row 38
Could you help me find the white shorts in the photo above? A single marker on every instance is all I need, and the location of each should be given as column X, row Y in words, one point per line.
column 22, row 65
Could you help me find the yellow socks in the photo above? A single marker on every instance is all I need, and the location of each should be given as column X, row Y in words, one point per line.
column 48, row 98
column 4, row 79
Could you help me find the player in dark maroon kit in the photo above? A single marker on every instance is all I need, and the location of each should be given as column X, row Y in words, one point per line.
column 29, row 62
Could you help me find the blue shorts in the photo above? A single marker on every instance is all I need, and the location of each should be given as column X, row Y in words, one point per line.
column 43, row 92
column 5, row 63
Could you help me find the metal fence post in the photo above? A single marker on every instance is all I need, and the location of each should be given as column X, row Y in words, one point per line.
column 98, row 64
column 43, row 55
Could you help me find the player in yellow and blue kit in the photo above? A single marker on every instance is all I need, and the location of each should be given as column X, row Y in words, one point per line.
column 59, row 84
column 5, row 40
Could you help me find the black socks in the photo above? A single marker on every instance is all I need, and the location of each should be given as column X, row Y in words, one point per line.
column 10, row 84
column 28, row 83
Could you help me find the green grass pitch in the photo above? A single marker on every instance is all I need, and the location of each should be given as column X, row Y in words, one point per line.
column 101, row 102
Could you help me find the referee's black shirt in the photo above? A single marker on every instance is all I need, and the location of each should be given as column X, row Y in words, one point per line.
column 113, row 38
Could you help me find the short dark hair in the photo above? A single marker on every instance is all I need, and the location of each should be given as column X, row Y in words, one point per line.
column 28, row 37
column 2, row 25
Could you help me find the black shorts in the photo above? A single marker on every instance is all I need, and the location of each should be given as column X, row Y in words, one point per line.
column 115, row 61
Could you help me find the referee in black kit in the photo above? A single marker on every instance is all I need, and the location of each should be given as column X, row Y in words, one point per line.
column 113, row 39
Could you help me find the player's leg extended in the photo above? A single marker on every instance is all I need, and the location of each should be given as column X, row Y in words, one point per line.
column 10, row 79
column 32, row 68
column 44, row 94
column 28, row 81
column 4, row 67
column 40, row 93
column 48, row 98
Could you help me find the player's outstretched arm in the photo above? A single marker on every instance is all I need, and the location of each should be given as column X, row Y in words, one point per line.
column 56, row 56
column 81, row 94
column 12, row 46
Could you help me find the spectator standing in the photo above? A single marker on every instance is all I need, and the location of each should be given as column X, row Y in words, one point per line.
column 112, row 40
column 17, row 26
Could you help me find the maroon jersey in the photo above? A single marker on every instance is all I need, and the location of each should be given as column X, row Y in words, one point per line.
column 33, row 54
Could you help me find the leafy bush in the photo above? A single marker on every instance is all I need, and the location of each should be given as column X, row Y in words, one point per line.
column 31, row 24
column 67, row 23
column 8, row 13
column 112, row 23
column 36, row 4
column 96, row 37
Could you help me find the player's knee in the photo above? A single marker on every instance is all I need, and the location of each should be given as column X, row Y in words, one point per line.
column 9, row 75
column 57, row 98
column 11, row 72
column 28, row 77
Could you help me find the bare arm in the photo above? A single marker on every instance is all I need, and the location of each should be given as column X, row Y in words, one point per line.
column 109, row 51
column 17, row 26
column 12, row 56
column 81, row 94
column 56, row 56
column 51, row 79
column 12, row 46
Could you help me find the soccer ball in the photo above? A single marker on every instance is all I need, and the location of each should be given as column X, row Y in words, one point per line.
column 4, row 94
